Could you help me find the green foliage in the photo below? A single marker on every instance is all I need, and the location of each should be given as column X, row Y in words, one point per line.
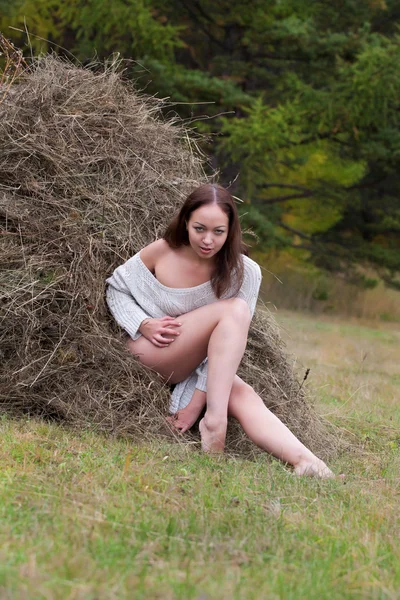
column 38, row 17
column 330, row 142
column 131, row 27
column 201, row 94
column 267, row 236
column 304, row 99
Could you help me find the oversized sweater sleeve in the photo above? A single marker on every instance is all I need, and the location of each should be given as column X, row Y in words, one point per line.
column 122, row 303
column 251, row 283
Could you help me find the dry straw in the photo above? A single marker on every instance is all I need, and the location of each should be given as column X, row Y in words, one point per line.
column 90, row 173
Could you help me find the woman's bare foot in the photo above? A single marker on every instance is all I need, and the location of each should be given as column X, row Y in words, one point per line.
column 185, row 418
column 313, row 468
column 212, row 440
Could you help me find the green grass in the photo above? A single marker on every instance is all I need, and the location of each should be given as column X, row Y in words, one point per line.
column 84, row 516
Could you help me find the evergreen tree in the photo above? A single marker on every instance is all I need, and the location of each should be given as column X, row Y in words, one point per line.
column 304, row 100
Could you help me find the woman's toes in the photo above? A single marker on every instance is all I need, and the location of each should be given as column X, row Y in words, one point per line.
column 314, row 469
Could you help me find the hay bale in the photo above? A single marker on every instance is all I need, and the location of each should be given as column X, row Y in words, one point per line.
column 90, row 173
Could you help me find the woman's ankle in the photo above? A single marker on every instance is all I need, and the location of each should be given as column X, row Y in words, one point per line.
column 303, row 457
column 215, row 422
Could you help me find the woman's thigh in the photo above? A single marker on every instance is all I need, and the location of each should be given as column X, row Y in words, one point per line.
column 186, row 352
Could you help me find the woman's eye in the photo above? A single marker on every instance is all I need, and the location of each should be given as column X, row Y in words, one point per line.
column 218, row 231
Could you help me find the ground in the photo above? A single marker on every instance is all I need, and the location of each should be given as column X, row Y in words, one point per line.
column 88, row 517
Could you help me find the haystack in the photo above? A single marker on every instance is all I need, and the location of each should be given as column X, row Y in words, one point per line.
column 90, row 173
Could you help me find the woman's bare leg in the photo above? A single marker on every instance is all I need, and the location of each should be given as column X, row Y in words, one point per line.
column 225, row 350
column 219, row 331
column 269, row 433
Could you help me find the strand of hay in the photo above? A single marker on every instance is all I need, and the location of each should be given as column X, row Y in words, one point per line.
column 90, row 173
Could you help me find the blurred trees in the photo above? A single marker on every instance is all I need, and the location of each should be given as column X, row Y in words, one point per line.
column 305, row 100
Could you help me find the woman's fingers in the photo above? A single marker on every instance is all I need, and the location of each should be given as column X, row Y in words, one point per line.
column 162, row 340
column 171, row 321
column 159, row 341
column 159, row 338
column 176, row 322
column 159, row 345
column 169, row 331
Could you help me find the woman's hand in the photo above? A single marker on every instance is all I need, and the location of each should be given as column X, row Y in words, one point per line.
column 160, row 332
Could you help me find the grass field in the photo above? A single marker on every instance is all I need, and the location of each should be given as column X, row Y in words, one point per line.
column 88, row 517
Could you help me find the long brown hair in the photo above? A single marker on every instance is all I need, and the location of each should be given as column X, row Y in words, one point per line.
column 229, row 270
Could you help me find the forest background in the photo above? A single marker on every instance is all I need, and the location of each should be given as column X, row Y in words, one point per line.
column 299, row 106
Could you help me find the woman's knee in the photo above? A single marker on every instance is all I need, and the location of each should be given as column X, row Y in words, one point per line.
column 238, row 309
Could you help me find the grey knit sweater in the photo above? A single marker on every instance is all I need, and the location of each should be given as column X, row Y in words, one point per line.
column 134, row 294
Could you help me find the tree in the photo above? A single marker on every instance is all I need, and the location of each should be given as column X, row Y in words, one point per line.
column 90, row 28
column 329, row 157
column 315, row 138
column 303, row 98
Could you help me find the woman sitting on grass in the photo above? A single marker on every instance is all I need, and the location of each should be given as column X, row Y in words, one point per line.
column 186, row 302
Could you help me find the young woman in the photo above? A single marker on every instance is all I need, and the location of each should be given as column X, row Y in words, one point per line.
column 186, row 302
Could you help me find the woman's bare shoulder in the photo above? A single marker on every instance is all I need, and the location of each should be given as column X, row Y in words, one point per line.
column 151, row 253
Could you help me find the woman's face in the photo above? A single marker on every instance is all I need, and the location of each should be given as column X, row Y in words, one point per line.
column 208, row 230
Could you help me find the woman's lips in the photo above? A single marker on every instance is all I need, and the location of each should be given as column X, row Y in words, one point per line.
column 205, row 250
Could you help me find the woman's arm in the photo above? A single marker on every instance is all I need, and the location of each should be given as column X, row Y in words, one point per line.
column 120, row 295
column 123, row 298
column 125, row 310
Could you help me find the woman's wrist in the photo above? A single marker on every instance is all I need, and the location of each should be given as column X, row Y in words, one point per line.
column 143, row 323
